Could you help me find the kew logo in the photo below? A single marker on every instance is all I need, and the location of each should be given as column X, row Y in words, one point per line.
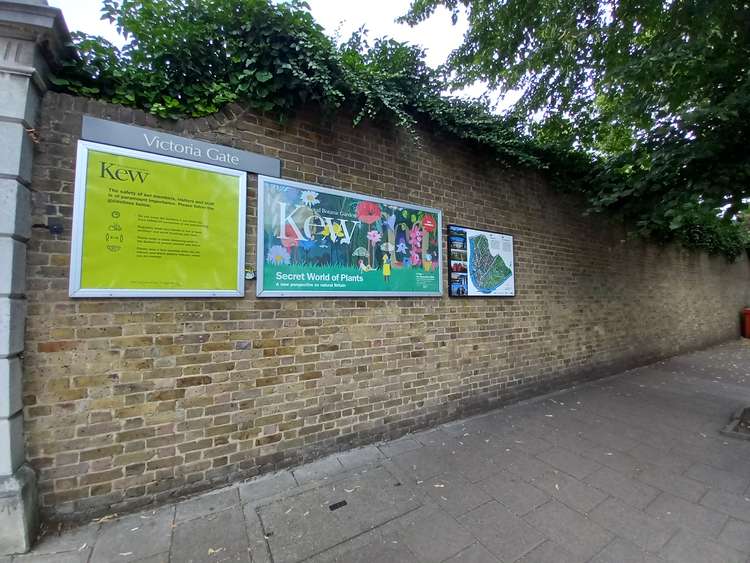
column 113, row 172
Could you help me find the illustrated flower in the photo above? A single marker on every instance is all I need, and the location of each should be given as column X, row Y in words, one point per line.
column 309, row 198
column 386, row 247
column 415, row 236
column 290, row 237
column 307, row 244
column 391, row 222
column 338, row 232
column 414, row 259
column 278, row 255
column 368, row 212
column 373, row 236
column 401, row 247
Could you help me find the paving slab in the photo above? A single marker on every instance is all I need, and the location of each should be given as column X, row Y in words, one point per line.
column 218, row 538
column 424, row 463
column 320, row 470
column 728, row 503
column 647, row 532
column 686, row 547
column 455, row 494
column 514, row 493
column 621, row 551
column 378, row 551
column 736, row 534
column 134, row 537
column 435, row 536
column 729, row 481
column 569, row 462
column 74, row 539
column 570, row 491
column 207, row 504
column 256, row 536
column 624, row 487
column 69, row 557
column 573, row 531
column 475, row 553
column 360, row 456
column 503, row 533
column 549, row 552
column 267, row 486
column 399, row 446
column 699, row 519
column 671, row 482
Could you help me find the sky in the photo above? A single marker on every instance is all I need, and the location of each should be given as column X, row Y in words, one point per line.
column 339, row 17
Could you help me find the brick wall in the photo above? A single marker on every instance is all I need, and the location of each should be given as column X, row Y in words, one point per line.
column 134, row 400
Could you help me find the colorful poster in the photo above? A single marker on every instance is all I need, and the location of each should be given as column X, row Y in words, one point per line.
column 315, row 241
column 480, row 263
column 146, row 225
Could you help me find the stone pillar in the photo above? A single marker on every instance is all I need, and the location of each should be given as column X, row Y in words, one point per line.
column 32, row 38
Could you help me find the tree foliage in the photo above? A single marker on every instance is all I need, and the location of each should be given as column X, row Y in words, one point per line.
column 662, row 154
column 190, row 57
column 656, row 91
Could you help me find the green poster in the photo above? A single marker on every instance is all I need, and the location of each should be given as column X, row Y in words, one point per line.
column 149, row 225
column 315, row 241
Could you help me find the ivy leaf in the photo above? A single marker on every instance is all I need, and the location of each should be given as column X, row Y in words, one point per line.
column 263, row 76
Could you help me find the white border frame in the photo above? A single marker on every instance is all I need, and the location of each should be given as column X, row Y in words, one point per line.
column 260, row 242
column 79, row 207
column 450, row 254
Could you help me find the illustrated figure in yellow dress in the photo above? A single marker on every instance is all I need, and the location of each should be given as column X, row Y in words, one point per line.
column 386, row 267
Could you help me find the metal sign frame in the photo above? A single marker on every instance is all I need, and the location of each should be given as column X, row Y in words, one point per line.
column 79, row 207
column 260, row 261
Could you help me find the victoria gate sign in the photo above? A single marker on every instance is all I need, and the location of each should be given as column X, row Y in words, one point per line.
column 156, row 142
column 156, row 215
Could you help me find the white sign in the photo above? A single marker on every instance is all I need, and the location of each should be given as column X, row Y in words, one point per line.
column 480, row 263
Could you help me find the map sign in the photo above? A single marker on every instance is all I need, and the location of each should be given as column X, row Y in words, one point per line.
column 315, row 241
column 147, row 225
column 480, row 263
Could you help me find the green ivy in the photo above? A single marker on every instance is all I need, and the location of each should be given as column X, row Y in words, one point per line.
column 191, row 57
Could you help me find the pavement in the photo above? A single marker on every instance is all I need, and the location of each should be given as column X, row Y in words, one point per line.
column 630, row 468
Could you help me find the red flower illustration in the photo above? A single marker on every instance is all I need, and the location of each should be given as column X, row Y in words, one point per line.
column 368, row 212
column 289, row 239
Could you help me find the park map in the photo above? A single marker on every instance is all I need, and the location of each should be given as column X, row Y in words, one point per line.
column 488, row 272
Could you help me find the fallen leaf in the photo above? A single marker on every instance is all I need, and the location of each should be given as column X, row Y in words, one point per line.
column 212, row 551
